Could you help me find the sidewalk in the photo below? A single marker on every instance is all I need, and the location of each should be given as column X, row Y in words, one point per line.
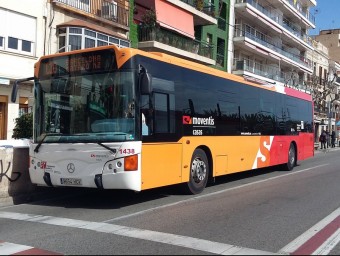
column 319, row 150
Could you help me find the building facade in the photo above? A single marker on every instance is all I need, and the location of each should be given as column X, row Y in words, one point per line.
column 271, row 41
column 21, row 43
column 176, row 27
column 331, row 38
column 40, row 27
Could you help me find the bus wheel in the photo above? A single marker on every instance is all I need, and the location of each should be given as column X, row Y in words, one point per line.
column 199, row 172
column 291, row 158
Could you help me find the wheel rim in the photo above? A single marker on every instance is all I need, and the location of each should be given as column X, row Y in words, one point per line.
column 292, row 156
column 198, row 170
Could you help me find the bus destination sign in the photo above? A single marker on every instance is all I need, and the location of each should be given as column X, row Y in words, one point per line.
column 76, row 64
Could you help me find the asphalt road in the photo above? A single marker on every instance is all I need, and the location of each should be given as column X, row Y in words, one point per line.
column 266, row 212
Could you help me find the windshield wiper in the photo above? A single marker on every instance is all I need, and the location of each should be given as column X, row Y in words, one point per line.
column 36, row 150
column 113, row 150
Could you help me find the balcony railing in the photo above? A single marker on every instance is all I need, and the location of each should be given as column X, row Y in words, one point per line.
column 257, row 36
column 202, row 5
column 106, row 9
column 166, row 37
column 279, row 19
column 298, row 6
column 259, row 69
column 267, row 71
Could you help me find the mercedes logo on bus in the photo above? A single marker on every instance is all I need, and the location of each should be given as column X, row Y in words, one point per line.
column 71, row 168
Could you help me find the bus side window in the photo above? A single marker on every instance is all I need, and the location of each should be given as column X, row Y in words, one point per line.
column 146, row 113
column 164, row 113
column 145, row 128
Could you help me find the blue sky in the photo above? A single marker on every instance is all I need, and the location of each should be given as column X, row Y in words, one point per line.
column 327, row 15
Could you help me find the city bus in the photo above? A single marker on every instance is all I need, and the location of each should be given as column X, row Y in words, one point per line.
column 122, row 118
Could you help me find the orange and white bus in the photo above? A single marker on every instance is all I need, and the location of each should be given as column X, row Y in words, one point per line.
column 121, row 118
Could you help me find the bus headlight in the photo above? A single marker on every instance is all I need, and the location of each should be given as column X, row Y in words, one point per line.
column 126, row 164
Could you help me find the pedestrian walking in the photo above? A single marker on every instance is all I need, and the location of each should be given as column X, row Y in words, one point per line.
column 328, row 138
column 322, row 139
column 333, row 139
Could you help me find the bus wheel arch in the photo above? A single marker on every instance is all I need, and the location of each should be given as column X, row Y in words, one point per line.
column 200, row 171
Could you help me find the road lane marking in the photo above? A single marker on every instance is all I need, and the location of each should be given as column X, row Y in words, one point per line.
column 7, row 248
column 10, row 248
column 173, row 239
column 322, row 237
column 209, row 194
column 327, row 246
column 149, row 235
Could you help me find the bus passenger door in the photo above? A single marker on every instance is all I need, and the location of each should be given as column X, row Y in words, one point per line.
column 161, row 151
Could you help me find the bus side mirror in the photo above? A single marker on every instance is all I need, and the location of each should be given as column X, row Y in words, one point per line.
column 14, row 91
column 145, row 84
column 16, row 86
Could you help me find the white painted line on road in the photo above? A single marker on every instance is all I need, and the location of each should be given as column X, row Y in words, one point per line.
column 9, row 248
column 305, row 237
column 160, row 237
column 330, row 243
column 210, row 194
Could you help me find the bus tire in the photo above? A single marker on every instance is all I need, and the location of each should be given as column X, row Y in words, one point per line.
column 291, row 158
column 199, row 173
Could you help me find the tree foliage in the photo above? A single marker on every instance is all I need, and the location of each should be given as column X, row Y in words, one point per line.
column 23, row 127
column 323, row 90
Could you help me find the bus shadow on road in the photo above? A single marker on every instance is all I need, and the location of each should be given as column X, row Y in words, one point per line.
column 93, row 198
column 246, row 175
column 90, row 198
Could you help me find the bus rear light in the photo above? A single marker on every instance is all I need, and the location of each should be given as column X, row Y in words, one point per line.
column 131, row 163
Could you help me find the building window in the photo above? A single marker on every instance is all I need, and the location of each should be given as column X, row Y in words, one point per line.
column 21, row 36
column 23, row 106
column 19, row 45
column 109, row 11
column 89, row 43
column 75, row 38
column 13, row 43
column 26, row 46
column 23, row 109
column 74, row 42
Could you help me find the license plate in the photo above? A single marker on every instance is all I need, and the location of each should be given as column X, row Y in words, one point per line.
column 70, row 181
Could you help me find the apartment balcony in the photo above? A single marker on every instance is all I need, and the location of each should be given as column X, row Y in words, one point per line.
column 244, row 67
column 297, row 6
column 274, row 20
column 251, row 39
column 267, row 73
column 105, row 10
column 203, row 11
column 161, row 40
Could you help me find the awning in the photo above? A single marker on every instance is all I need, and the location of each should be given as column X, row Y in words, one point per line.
column 174, row 18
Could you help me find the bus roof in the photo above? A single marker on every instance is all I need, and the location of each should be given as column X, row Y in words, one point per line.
column 215, row 72
column 126, row 53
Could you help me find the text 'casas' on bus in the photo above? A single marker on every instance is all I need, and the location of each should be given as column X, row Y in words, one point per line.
column 114, row 118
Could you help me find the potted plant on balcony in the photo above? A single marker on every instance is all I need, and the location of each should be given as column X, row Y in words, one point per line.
column 149, row 18
column 149, row 22
column 199, row 4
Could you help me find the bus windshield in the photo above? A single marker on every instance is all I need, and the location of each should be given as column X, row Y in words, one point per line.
column 85, row 108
